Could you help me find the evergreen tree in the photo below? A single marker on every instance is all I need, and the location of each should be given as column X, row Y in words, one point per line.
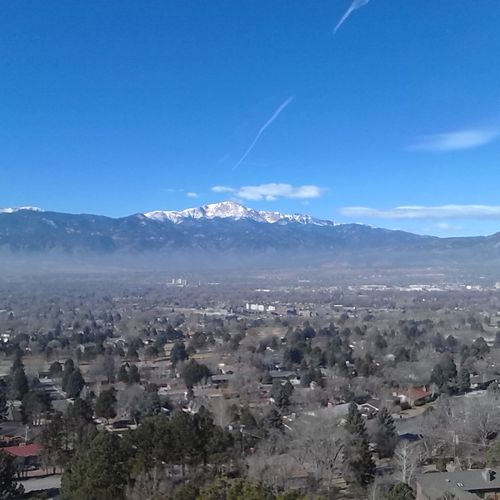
column 132, row 353
column 34, row 406
column 79, row 421
column 464, row 379
column 194, row 373
column 274, row 419
column 386, row 437
column 17, row 362
column 133, row 375
column 69, row 367
column 178, row 353
column 3, row 402
column 19, row 384
column 55, row 370
column 105, row 404
column 52, row 441
column 8, row 486
column 99, row 471
column 75, row 384
column 123, row 374
column 152, row 400
column 358, row 462
column 400, row 491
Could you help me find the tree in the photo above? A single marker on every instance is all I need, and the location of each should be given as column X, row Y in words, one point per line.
column 123, row 374
column 358, row 462
column 19, row 384
column 234, row 489
column 34, row 406
column 194, row 373
column 75, row 384
column 274, row 419
column 132, row 353
column 17, row 362
column 79, row 422
column 3, row 402
column 407, row 458
column 317, row 444
column 400, row 491
column 493, row 455
column 8, row 486
column 178, row 353
column 55, row 370
column 99, row 471
column 105, row 404
column 464, row 379
column 281, row 393
column 69, row 366
column 52, row 440
column 386, row 437
column 133, row 375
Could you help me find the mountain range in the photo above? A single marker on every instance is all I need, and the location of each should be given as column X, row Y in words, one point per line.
column 231, row 228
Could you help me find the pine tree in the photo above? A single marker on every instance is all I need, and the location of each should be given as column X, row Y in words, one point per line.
column 358, row 462
column 3, row 402
column 132, row 353
column 69, row 367
column 274, row 419
column 123, row 374
column 8, row 470
column 464, row 380
column 386, row 437
column 75, row 384
column 19, row 384
column 133, row 375
column 105, row 404
column 99, row 470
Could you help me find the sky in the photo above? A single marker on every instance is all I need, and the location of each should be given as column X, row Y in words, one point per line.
column 385, row 112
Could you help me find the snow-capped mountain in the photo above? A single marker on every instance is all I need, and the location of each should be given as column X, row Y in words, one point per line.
column 231, row 230
column 235, row 211
column 11, row 210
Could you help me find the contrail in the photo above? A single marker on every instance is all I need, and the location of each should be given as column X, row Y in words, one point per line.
column 261, row 130
column 355, row 5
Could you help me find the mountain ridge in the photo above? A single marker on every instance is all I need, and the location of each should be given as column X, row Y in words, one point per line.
column 217, row 230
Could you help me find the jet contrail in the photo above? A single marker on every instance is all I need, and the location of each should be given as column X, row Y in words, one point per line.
column 261, row 130
column 355, row 5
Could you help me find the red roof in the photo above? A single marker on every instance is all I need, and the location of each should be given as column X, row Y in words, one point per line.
column 24, row 450
column 417, row 393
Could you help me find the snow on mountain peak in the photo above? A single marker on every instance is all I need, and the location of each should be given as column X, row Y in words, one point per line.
column 11, row 210
column 236, row 211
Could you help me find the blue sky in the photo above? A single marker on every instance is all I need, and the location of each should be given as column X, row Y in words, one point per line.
column 117, row 107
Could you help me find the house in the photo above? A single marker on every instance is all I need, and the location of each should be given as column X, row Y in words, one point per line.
column 481, row 382
column 460, row 485
column 285, row 375
column 415, row 396
column 221, row 379
column 27, row 457
column 370, row 408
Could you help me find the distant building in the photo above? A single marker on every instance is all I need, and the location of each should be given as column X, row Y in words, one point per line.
column 259, row 307
column 179, row 282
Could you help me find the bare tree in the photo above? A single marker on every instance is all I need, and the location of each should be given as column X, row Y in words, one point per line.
column 407, row 459
column 318, row 443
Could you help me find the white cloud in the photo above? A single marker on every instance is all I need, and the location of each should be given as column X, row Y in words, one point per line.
column 222, row 189
column 272, row 191
column 426, row 212
column 191, row 194
column 453, row 141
